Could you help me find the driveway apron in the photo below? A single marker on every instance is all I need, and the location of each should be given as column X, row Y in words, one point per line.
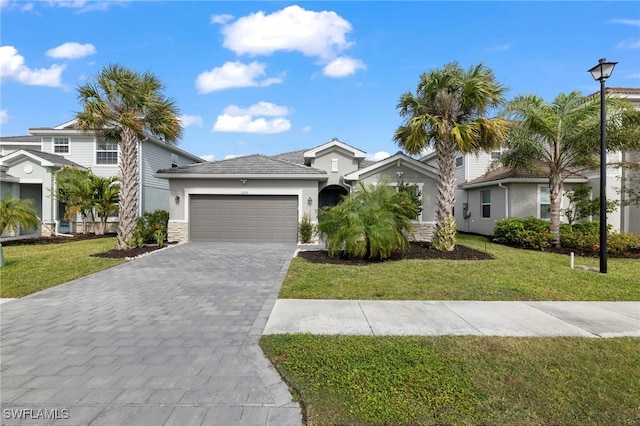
column 170, row 338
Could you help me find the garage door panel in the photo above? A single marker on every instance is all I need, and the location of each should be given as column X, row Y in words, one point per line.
column 243, row 218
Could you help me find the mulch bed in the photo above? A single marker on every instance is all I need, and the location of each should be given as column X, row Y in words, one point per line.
column 418, row 250
column 111, row 254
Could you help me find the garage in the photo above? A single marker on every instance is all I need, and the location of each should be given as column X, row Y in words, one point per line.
column 245, row 218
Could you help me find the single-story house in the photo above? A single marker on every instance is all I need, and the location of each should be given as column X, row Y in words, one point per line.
column 263, row 198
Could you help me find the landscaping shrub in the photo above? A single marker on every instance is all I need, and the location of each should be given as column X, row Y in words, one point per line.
column 373, row 221
column 528, row 232
column 306, row 229
column 148, row 225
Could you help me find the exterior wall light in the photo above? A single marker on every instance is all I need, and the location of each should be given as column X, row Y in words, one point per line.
column 310, row 201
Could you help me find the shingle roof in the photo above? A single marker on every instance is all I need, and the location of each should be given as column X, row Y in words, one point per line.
column 295, row 157
column 27, row 138
column 255, row 164
column 53, row 158
column 502, row 173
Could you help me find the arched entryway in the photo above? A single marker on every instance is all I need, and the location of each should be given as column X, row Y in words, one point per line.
column 331, row 195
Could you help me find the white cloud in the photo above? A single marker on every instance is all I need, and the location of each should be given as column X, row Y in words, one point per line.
column 72, row 50
column 499, row 48
column 291, row 29
column 12, row 66
column 322, row 35
column 190, row 120
column 378, row 156
column 230, row 156
column 306, row 129
column 628, row 44
column 208, row 157
column 342, row 67
column 85, row 5
column 221, row 19
column 4, row 116
column 234, row 74
column 247, row 124
column 251, row 119
column 632, row 22
column 261, row 108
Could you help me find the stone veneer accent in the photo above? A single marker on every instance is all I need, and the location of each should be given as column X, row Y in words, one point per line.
column 178, row 232
column 422, row 231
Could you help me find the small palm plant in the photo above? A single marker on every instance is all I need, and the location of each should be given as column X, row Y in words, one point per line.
column 15, row 213
column 371, row 222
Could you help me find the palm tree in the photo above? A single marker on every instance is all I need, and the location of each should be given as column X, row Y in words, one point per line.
column 447, row 113
column 106, row 196
column 14, row 213
column 125, row 106
column 564, row 136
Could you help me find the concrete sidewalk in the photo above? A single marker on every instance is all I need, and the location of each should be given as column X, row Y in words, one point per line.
column 433, row 318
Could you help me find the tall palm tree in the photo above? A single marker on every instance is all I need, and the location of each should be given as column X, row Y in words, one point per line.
column 563, row 136
column 447, row 112
column 14, row 213
column 125, row 106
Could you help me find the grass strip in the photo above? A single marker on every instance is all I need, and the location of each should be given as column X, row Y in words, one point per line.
column 514, row 274
column 471, row 380
column 31, row 268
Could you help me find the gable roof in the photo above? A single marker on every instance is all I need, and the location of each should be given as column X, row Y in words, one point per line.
column 506, row 175
column 335, row 142
column 255, row 166
column 295, row 157
column 44, row 158
column 399, row 158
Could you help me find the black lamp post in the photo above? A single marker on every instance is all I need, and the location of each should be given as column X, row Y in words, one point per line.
column 600, row 73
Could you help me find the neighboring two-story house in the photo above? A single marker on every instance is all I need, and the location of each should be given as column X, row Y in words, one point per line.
column 485, row 194
column 27, row 164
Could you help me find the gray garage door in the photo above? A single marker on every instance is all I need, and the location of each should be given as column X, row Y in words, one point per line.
column 261, row 218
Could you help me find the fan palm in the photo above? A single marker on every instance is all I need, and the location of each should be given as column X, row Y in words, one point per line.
column 125, row 106
column 15, row 213
column 447, row 112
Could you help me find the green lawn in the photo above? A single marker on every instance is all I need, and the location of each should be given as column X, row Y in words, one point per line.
column 514, row 274
column 31, row 268
column 355, row 380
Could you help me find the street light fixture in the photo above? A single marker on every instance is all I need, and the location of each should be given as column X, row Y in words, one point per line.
column 600, row 73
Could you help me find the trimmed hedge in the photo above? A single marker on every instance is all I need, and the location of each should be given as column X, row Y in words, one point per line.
column 533, row 233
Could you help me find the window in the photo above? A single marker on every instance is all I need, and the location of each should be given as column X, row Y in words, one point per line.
column 544, row 197
column 495, row 155
column 459, row 161
column 106, row 152
column 61, row 145
column 174, row 160
column 486, row 203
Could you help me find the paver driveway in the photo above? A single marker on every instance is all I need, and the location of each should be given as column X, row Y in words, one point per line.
column 171, row 338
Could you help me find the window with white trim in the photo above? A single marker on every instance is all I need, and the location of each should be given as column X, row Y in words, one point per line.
column 60, row 145
column 485, row 203
column 174, row 159
column 459, row 161
column 106, row 152
column 544, row 202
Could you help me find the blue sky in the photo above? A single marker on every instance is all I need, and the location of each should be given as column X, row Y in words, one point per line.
column 270, row 77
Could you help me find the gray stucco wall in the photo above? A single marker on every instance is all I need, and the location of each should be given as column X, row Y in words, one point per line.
column 182, row 188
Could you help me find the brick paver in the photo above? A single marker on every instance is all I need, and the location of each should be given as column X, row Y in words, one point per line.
column 171, row 338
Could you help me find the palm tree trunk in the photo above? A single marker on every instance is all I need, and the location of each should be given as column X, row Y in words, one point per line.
column 444, row 234
column 129, row 187
column 555, row 198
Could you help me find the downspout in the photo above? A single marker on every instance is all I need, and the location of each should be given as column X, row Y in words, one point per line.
column 140, row 183
column 506, row 199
